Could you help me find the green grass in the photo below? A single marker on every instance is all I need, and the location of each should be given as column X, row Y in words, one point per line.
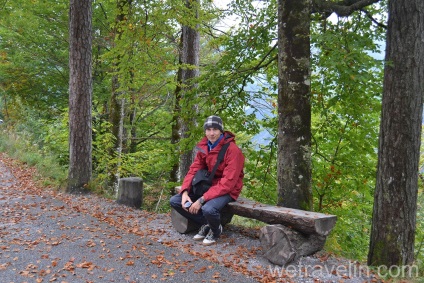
column 50, row 173
column 247, row 222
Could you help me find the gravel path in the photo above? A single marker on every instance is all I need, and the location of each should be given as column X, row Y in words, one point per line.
column 48, row 236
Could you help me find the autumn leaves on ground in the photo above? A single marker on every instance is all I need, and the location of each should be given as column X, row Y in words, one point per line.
column 49, row 236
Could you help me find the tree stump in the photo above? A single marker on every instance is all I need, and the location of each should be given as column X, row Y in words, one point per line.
column 130, row 192
column 283, row 245
column 184, row 225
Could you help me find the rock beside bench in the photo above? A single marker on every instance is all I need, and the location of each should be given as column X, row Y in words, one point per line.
column 283, row 245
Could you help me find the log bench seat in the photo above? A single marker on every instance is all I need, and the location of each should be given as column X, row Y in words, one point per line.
column 290, row 233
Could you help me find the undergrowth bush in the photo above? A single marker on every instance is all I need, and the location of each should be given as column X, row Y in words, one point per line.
column 19, row 147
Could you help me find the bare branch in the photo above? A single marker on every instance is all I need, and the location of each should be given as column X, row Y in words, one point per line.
column 342, row 8
column 369, row 15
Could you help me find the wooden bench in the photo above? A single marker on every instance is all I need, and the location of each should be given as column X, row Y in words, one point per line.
column 290, row 233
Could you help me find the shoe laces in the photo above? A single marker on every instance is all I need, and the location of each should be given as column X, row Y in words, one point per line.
column 210, row 236
column 203, row 229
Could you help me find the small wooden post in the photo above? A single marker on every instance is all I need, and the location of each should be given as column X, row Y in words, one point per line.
column 130, row 192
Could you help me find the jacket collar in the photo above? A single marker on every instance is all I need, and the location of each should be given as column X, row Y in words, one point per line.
column 212, row 146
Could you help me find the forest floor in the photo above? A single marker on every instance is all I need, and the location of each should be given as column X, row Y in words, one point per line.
column 49, row 236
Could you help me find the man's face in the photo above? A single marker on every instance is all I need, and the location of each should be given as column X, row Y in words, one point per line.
column 213, row 134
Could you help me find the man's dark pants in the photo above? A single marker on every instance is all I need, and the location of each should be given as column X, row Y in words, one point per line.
column 208, row 214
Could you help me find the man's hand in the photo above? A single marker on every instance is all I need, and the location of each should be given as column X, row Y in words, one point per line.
column 195, row 207
column 184, row 199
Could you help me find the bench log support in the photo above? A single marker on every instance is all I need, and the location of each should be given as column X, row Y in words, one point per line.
column 283, row 245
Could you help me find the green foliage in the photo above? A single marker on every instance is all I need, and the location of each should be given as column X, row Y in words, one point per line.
column 238, row 82
column 150, row 160
column 346, row 90
column 136, row 64
column 419, row 235
column 20, row 146
column 247, row 222
column 33, row 65
column 103, row 162
column 261, row 180
column 55, row 138
column 155, row 197
column 136, row 59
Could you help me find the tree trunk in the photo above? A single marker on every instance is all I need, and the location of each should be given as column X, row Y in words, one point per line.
column 188, row 70
column 80, row 95
column 133, row 132
column 395, row 199
column 117, row 101
column 115, row 112
column 294, row 106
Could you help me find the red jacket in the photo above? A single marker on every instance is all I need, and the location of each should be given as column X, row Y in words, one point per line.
column 228, row 177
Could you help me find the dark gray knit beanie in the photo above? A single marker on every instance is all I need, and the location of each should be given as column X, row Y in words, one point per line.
column 214, row 122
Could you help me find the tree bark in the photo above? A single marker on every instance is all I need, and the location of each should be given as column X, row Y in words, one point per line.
column 294, row 106
column 191, row 49
column 395, row 199
column 187, row 72
column 80, row 95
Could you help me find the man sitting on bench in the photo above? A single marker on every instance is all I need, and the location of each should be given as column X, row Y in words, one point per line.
column 226, row 184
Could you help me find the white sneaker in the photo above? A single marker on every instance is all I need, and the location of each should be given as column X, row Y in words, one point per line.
column 203, row 231
column 211, row 238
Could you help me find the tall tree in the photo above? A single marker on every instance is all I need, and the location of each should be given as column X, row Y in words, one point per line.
column 80, row 95
column 294, row 105
column 395, row 199
column 188, row 70
column 117, row 99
